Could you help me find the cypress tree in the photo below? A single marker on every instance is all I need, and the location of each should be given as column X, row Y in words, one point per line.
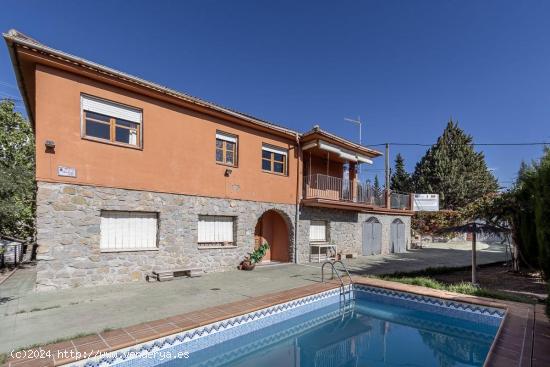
column 376, row 184
column 454, row 170
column 400, row 179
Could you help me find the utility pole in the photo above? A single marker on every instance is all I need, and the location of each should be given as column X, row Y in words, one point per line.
column 387, row 180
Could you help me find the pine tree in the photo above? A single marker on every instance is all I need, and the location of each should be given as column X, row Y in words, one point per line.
column 376, row 184
column 400, row 179
column 454, row 170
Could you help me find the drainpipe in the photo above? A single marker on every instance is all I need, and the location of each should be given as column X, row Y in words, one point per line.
column 298, row 197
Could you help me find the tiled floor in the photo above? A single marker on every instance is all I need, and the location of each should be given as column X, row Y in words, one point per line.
column 524, row 338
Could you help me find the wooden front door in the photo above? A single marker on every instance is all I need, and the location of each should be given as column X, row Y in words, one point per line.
column 271, row 228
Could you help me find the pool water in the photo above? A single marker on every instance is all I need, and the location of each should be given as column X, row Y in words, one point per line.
column 370, row 333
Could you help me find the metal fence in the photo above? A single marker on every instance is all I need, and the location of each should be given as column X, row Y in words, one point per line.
column 11, row 251
column 400, row 201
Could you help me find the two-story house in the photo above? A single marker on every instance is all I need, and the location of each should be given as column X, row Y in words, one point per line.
column 133, row 176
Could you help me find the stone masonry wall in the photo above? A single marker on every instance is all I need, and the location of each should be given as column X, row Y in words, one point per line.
column 386, row 221
column 345, row 229
column 68, row 234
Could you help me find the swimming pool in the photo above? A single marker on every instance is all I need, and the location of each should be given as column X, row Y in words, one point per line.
column 378, row 327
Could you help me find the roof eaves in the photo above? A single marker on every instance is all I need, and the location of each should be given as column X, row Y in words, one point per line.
column 18, row 75
column 15, row 36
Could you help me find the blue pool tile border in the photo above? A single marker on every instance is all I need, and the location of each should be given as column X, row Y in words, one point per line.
column 204, row 336
column 194, row 339
column 462, row 310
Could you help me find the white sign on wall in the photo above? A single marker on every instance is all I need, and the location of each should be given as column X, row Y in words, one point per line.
column 66, row 171
column 426, row 202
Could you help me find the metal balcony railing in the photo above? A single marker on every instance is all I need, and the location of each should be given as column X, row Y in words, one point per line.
column 400, row 201
column 319, row 186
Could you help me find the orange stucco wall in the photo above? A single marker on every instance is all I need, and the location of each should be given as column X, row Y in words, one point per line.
column 178, row 154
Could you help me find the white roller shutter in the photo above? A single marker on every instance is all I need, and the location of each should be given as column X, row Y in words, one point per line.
column 126, row 231
column 112, row 109
column 274, row 150
column 226, row 137
column 215, row 229
column 318, row 231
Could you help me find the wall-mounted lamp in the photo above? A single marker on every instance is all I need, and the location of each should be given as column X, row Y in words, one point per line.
column 50, row 144
column 228, row 172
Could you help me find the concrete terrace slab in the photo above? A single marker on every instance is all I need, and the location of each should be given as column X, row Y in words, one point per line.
column 28, row 317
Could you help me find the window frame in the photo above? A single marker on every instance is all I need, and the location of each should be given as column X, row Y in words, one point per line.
column 224, row 151
column 112, row 124
column 130, row 249
column 272, row 160
column 217, row 244
column 326, row 240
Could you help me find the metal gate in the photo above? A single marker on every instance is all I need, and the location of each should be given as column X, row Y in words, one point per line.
column 398, row 242
column 372, row 237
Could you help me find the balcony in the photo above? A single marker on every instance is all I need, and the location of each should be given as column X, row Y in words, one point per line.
column 332, row 191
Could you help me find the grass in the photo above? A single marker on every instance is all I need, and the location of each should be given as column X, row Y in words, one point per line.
column 462, row 287
column 440, row 270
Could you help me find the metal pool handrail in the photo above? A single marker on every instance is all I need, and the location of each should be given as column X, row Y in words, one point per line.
column 334, row 270
column 345, row 269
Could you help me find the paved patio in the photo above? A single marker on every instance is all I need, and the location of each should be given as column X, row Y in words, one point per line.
column 29, row 317
column 523, row 338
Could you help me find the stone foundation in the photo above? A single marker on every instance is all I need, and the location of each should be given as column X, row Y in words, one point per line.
column 345, row 229
column 68, row 234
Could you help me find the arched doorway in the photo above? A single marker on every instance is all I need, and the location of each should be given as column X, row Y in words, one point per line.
column 398, row 241
column 372, row 237
column 272, row 227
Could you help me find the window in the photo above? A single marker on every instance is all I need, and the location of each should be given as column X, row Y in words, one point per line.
column 216, row 230
column 318, row 231
column 111, row 122
column 274, row 159
column 226, row 148
column 128, row 231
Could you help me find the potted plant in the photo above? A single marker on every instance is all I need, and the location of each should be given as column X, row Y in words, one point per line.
column 249, row 263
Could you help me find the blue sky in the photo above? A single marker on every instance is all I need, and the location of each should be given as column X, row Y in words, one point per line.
column 405, row 67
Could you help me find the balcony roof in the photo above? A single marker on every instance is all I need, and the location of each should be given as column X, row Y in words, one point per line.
column 317, row 134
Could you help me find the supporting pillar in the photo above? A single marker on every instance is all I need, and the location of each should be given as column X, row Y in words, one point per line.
column 352, row 176
column 387, row 188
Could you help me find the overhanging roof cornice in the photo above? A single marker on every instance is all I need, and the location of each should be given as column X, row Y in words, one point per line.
column 16, row 39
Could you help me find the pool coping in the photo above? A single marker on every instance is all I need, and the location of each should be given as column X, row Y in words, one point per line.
column 513, row 345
